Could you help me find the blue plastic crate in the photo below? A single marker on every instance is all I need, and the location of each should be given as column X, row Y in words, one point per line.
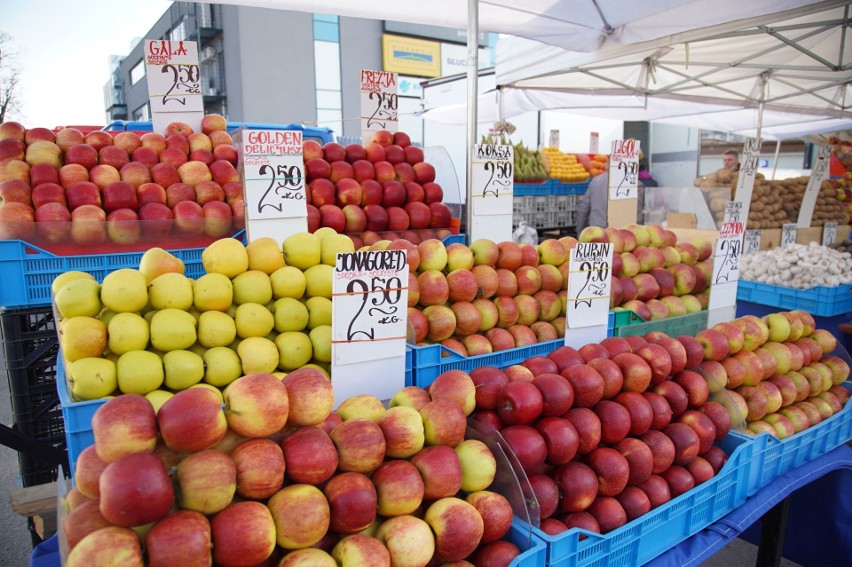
column 28, row 271
column 773, row 457
column 77, row 416
column 821, row 301
column 663, row 527
column 530, row 189
column 454, row 239
column 425, row 363
column 571, row 188
column 533, row 550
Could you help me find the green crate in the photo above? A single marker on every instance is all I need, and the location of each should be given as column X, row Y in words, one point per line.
column 688, row 324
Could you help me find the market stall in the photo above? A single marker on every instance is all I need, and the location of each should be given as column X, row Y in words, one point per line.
column 564, row 402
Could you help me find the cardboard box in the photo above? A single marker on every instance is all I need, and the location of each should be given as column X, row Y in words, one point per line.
column 842, row 233
column 682, row 220
column 770, row 238
column 810, row 234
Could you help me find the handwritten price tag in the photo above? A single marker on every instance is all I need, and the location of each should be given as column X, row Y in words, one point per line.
column 750, row 160
column 788, row 234
column 829, row 233
column 174, row 78
column 726, row 257
column 751, row 244
column 379, row 102
column 493, row 179
column 589, row 282
column 624, row 170
column 273, row 174
column 369, row 305
column 818, row 175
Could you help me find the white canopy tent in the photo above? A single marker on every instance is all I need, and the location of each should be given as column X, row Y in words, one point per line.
column 795, row 65
column 576, row 25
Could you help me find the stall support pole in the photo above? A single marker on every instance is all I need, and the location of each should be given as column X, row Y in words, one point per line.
column 775, row 161
column 472, row 93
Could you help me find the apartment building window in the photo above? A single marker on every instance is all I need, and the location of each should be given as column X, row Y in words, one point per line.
column 178, row 33
column 327, row 71
column 141, row 113
column 137, row 72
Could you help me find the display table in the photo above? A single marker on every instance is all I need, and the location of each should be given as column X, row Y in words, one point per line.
column 819, row 524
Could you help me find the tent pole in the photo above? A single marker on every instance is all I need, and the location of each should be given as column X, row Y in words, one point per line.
column 472, row 92
column 775, row 161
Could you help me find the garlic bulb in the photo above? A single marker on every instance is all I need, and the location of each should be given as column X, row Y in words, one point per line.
column 798, row 266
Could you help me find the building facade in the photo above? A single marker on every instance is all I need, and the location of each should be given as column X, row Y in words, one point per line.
column 280, row 67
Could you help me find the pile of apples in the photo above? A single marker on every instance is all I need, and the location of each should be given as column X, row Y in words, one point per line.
column 655, row 276
column 95, row 187
column 487, row 297
column 152, row 331
column 269, row 474
column 779, row 371
column 383, row 186
column 609, row 431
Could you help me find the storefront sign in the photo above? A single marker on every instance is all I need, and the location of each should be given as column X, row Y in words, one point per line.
column 411, row 56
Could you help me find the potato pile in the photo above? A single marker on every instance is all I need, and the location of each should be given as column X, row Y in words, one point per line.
column 716, row 188
column 828, row 207
column 767, row 204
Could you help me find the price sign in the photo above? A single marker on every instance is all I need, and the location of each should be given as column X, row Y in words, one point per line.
column 751, row 243
column 174, row 83
column 274, row 185
column 493, row 179
column 369, row 305
column 624, row 170
column 829, row 233
column 818, row 175
column 589, row 283
column 726, row 257
column 594, row 142
column 748, row 171
column 554, row 138
column 788, row 234
column 379, row 103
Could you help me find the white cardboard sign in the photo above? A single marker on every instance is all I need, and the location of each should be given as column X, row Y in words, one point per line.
column 726, row 257
column 751, row 241
column 493, row 192
column 274, row 185
column 829, row 233
column 369, row 323
column 589, row 288
column 624, row 170
column 174, row 83
column 818, row 175
column 748, row 171
column 788, row 234
column 379, row 102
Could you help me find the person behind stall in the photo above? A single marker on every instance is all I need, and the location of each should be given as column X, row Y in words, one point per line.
column 731, row 160
column 645, row 175
column 592, row 210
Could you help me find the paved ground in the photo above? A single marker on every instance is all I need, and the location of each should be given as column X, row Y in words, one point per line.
column 15, row 540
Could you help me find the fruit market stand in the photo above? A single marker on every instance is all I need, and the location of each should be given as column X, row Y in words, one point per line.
column 553, row 454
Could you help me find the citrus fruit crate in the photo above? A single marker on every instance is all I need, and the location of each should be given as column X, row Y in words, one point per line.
column 633, row 324
column 28, row 271
column 662, row 528
column 77, row 416
column 820, row 301
column 773, row 457
column 425, row 363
